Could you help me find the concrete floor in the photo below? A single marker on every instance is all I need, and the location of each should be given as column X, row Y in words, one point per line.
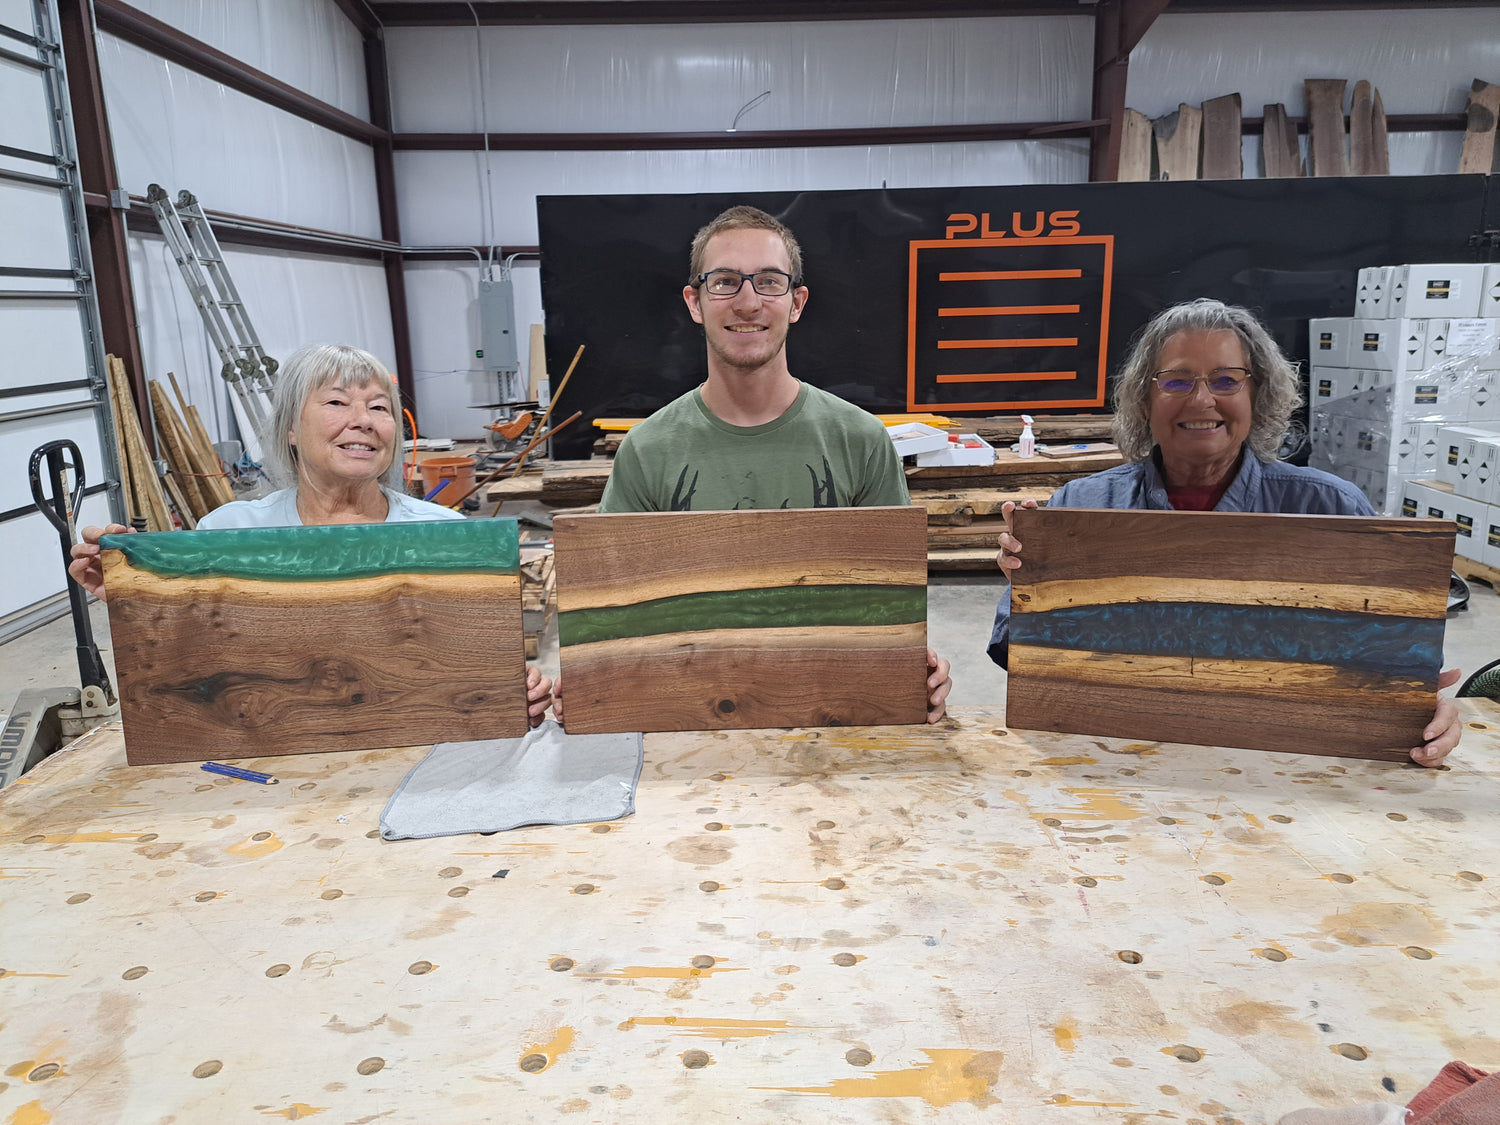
column 960, row 611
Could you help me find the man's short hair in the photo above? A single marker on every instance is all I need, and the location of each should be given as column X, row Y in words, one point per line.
column 744, row 217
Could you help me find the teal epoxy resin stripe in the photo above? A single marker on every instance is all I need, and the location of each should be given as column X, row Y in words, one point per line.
column 327, row 554
column 775, row 607
column 1400, row 647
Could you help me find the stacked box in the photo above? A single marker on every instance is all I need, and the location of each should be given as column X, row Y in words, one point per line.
column 1469, row 476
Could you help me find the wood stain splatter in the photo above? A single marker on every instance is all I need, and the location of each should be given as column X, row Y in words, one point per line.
column 251, row 848
column 952, row 1076
column 710, row 1027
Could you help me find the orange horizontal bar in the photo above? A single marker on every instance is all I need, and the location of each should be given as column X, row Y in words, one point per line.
column 1008, row 377
column 1007, row 275
column 1058, row 342
column 1009, row 310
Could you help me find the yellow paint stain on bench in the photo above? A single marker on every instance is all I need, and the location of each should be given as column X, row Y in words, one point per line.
column 296, row 1111
column 1065, row 1099
column 13, row 973
column 1098, row 804
column 710, row 1028
column 90, row 837
column 1075, row 761
column 952, row 1076
column 560, row 1044
column 31, row 1113
column 1065, row 1035
column 676, row 972
column 251, row 848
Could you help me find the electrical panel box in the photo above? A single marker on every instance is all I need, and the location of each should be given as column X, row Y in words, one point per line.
column 497, row 325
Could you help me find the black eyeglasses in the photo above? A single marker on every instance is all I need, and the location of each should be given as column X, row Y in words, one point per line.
column 1221, row 381
column 768, row 283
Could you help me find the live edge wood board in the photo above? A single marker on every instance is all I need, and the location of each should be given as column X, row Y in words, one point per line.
column 253, row 642
column 712, row 620
column 1312, row 634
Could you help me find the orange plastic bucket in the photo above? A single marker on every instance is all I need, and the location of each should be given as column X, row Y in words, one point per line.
column 455, row 474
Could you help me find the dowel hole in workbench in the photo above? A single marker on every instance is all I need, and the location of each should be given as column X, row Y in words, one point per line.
column 331, row 894
column 1165, row 820
column 1280, row 819
column 372, row 1065
column 278, row 970
column 1271, row 954
column 825, row 825
column 560, row 964
column 1417, row 953
column 373, row 834
column 419, row 968
column 261, row 836
column 1471, row 876
column 1351, row 1051
column 149, row 836
column 713, row 826
column 34, row 840
column 695, row 1060
column 1185, row 1053
column 1130, row 957
column 720, row 776
column 43, row 1072
column 450, row 872
column 703, row 961
column 844, row 960
column 82, row 896
column 1022, row 773
column 1395, row 816
column 205, row 896
column 1086, row 881
column 531, row 1064
column 458, row 892
column 600, row 829
column 834, row 884
column 1051, row 822
column 585, row 889
column 1214, row 880
column 207, row 1069
column 135, row 972
column 858, row 1056
column 1340, row 877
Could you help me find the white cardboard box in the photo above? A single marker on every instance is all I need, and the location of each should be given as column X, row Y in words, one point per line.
column 1470, row 517
column 1489, row 297
column 1445, row 289
column 1375, row 344
column 1476, row 468
column 1450, row 451
column 1412, row 336
column 912, row 438
column 1328, row 384
column 1426, row 500
column 1371, row 291
column 1490, row 549
column 1328, row 341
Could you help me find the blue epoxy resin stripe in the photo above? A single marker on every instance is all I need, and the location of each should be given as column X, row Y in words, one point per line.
column 1393, row 646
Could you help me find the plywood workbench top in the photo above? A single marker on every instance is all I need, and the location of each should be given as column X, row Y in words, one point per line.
column 845, row 925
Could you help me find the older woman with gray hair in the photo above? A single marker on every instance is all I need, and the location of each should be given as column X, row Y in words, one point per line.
column 1201, row 408
column 337, row 442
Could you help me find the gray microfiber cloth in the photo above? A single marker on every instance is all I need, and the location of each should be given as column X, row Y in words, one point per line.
column 547, row 777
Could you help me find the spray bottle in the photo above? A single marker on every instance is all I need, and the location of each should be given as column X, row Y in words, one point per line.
column 1028, row 440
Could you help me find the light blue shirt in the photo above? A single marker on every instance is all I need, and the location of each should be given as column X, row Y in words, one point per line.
column 279, row 509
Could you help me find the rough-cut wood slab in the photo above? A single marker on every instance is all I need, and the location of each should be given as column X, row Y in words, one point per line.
column 941, row 560
column 1363, row 158
column 245, row 643
column 1279, row 148
column 980, row 924
column 1479, row 132
column 1046, row 428
column 1135, row 147
column 567, row 484
column 1380, row 149
column 1177, row 142
column 709, row 620
column 1313, row 634
column 1326, row 151
column 959, row 507
column 1222, row 151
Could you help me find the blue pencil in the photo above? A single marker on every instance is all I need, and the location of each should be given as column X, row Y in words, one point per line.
column 235, row 771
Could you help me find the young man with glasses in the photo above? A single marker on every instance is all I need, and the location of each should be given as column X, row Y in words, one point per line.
column 752, row 435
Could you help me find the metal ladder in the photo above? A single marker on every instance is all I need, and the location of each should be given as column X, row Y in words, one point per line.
column 247, row 369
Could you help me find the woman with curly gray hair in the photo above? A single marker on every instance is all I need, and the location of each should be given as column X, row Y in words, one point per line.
column 1201, row 407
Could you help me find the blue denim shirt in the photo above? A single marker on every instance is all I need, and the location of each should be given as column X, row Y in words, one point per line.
column 1257, row 487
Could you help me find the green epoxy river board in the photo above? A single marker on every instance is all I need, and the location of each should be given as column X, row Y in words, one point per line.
column 710, row 620
column 248, row 643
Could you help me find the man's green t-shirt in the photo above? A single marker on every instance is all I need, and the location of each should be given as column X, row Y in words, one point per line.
column 822, row 453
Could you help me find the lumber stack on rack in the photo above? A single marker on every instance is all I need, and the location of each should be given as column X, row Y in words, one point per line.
column 538, row 595
column 138, row 484
column 195, row 479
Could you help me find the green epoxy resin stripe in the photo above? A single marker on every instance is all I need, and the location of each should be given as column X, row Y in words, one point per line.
column 775, row 607
column 327, row 554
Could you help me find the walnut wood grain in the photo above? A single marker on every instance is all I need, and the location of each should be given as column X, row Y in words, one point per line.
column 709, row 620
column 227, row 668
column 1222, row 150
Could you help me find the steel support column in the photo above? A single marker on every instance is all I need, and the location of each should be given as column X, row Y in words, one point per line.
column 96, row 168
column 1118, row 27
